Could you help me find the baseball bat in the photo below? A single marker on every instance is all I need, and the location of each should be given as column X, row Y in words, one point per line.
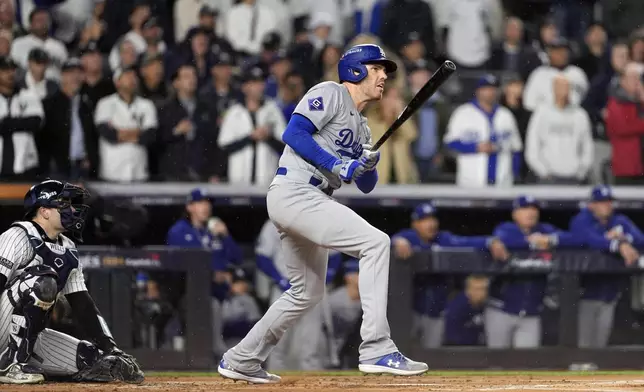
column 435, row 81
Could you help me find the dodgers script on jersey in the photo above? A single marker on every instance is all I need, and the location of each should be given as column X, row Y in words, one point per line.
column 342, row 130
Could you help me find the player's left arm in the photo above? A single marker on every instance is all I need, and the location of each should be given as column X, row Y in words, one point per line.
column 335, row 261
column 30, row 119
column 633, row 233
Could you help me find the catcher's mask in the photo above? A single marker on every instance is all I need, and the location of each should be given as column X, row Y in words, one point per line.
column 68, row 199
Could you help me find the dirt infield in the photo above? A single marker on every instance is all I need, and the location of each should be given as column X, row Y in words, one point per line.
column 350, row 383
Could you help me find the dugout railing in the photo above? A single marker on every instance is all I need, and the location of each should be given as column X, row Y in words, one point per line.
column 111, row 272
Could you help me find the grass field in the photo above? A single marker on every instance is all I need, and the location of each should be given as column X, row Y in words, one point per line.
column 343, row 381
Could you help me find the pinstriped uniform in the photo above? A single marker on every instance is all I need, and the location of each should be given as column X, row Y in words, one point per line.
column 22, row 246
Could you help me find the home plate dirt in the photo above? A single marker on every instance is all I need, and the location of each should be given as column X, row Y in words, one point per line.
column 352, row 383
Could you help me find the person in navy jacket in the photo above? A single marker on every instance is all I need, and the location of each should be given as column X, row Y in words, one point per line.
column 431, row 291
column 603, row 229
column 464, row 314
column 512, row 317
column 201, row 230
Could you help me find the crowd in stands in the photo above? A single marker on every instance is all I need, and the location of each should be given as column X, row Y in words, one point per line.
column 201, row 90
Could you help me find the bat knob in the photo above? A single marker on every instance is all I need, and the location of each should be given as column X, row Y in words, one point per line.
column 450, row 65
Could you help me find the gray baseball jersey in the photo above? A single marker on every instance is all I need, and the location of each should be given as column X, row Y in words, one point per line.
column 342, row 130
column 310, row 222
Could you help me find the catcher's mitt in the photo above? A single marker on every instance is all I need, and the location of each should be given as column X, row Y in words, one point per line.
column 113, row 366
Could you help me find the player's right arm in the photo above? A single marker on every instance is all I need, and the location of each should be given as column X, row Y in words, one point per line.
column 266, row 249
column 15, row 250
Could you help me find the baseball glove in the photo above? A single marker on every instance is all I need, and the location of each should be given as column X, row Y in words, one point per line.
column 113, row 366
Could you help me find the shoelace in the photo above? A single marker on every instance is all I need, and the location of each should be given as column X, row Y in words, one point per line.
column 397, row 356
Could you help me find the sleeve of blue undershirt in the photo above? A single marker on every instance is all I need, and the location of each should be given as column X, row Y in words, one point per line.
column 299, row 136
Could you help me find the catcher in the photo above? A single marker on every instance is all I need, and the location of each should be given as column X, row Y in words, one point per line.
column 37, row 264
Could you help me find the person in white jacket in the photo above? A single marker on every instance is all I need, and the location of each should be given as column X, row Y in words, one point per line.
column 251, row 134
column 559, row 143
column 486, row 138
column 246, row 25
column 538, row 88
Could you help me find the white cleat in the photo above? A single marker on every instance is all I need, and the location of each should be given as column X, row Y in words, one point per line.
column 260, row 376
column 19, row 373
column 395, row 364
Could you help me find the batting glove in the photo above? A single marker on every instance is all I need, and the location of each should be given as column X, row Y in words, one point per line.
column 369, row 159
column 349, row 169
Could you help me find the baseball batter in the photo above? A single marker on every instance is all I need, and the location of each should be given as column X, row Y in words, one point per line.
column 327, row 143
column 38, row 263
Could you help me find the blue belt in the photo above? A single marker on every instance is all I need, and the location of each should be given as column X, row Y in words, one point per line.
column 316, row 182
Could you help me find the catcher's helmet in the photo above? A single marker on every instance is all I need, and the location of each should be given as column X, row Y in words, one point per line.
column 68, row 199
column 352, row 66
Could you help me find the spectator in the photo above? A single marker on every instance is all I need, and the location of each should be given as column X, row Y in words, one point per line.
column 622, row 17
column 126, row 124
column 199, row 56
column 290, row 94
column 636, row 48
column 153, row 35
column 512, row 317
column 186, row 129
column 246, row 25
column 38, row 37
column 426, row 148
column 139, row 15
column 239, row 309
column 8, row 19
column 207, row 19
column 21, row 120
column 625, row 127
column 153, row 86
column 5, row 43
column 603, row 229
column 69, row 143
column 302, row 54
column 486, row 139
column 95, row 28
column 279, row 67
column 470, row 47
column 320, row 26
column 594, row 52
column 512, row 99
column 538, row 88
column 413, row 51
column 559, row 144
column 34, row 79
column 595, row 103
column 251, row 134
column 189, row 13
column 96, row 85
column 368, row 16
column 270, row 48
column 199, row 229
column 329, row 58
column 513, row 55
column 399, row 19
column 548, row 35
column 396, row 159
column 464, row 322
column 432, row 290
column 300, row 347
column 127, row 56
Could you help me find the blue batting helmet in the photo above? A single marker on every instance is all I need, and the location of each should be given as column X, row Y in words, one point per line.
column 352, row 66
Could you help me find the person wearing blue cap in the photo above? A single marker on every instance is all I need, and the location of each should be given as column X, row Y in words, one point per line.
column 603, row 229
column 486, row 138
column 512, row 317
column 201, row 230
column 431, row 291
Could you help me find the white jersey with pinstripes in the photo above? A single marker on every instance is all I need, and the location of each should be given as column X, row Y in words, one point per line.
column 22, row 246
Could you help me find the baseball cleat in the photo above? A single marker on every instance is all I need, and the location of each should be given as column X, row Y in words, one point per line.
column 394, row 363
column 20, row 373
column 259, row 376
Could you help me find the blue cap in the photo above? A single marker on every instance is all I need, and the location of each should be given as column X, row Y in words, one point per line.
column 601, row 193
column 525, row 201
column 351, row 266
column 197, row 194
column 423, row 210
column 488, row 81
